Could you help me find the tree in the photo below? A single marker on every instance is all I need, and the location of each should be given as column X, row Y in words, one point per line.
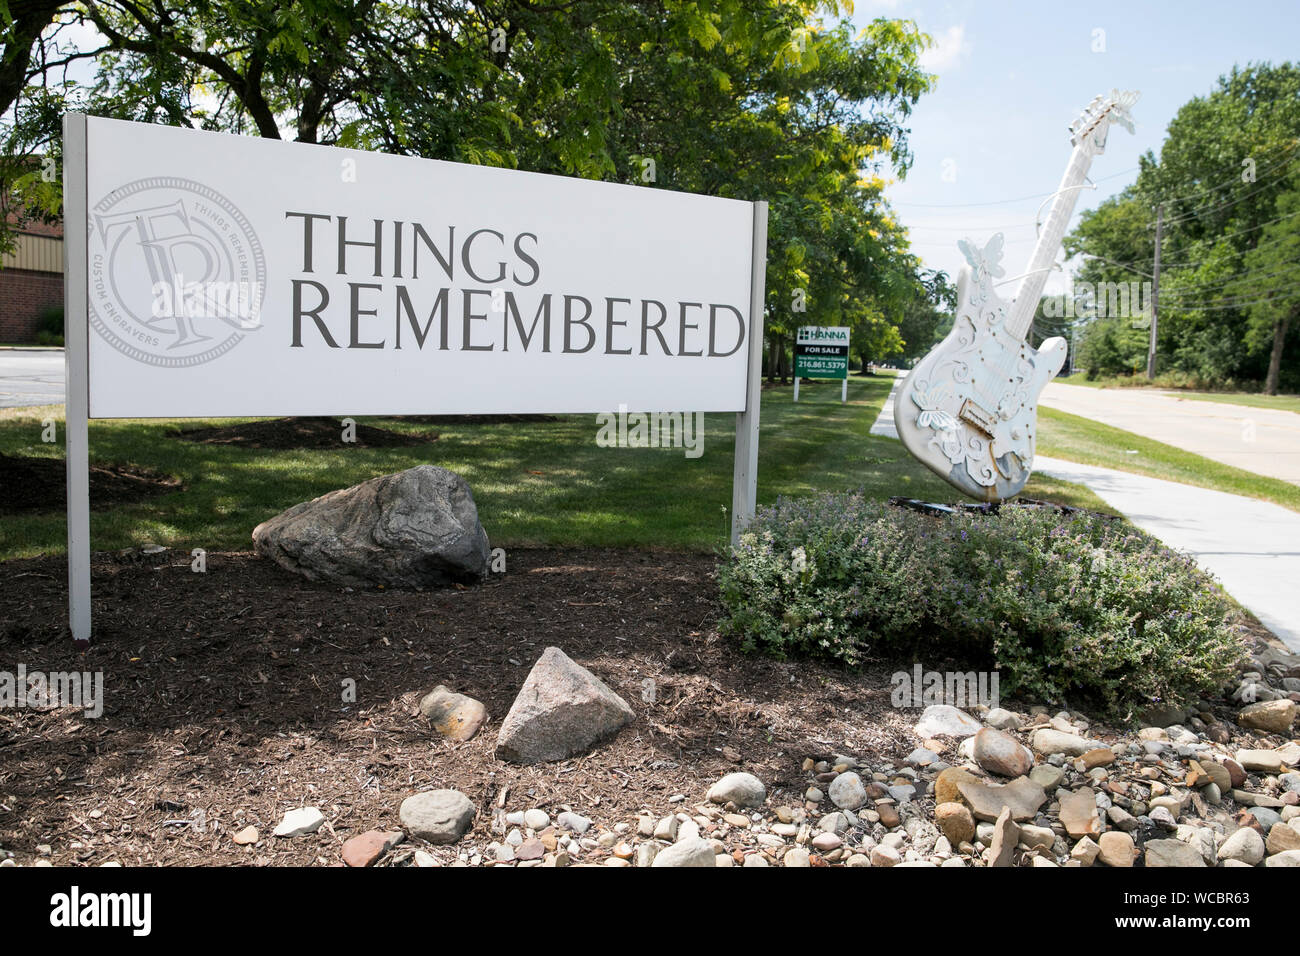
column 780, row 100
column 1268, row 288
column 1225, row 164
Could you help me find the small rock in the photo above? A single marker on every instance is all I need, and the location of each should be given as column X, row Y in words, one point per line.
column 1002, row 719
column 1172, row 853
column 245, row 837
column 1115, row 848
column 299, row 822
column 847, row 791
column 956, row 822
column 689, row 852
column 796, row 856
column 453, row 715
column 573, row 821
column 1245, row 845
column 1006, row 835
column 945, row 720
column 1085, row 852
column 882, row 855
column 366, row 849
column 742, row 789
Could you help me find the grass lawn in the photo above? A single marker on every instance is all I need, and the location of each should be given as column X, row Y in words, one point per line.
column 1062, row 435
column 544, row 483
column 1281, row 403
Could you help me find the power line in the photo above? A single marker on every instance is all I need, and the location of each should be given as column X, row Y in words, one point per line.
column 998, row 202
column 1232, row 179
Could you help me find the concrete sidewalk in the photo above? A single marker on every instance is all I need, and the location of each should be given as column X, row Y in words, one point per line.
column 1252, row 547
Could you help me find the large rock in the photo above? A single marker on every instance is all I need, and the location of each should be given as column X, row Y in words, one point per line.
column 986, row 800
column 1002, row 754
column 1270, row 716
column 561, row 710
column 415, row 528
column 439, row 816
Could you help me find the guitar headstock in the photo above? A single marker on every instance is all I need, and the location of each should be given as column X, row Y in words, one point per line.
column 1094, row 122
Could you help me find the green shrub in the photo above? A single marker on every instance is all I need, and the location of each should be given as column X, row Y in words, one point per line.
column 1073, row 608
column 49, row 326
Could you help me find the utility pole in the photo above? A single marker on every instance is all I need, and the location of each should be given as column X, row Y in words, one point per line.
column 1155, row 294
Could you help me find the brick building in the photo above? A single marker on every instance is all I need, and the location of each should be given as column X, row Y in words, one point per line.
column 31, row 280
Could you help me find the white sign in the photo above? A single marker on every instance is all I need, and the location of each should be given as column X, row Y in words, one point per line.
column 233, row 275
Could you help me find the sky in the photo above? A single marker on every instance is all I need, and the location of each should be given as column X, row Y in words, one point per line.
column 1012, row 75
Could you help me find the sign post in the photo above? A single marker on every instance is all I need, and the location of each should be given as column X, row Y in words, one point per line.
column 76, row 374
column 822, row 352
column 339, row 282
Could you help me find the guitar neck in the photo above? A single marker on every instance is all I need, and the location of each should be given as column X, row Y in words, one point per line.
column 1049, row 241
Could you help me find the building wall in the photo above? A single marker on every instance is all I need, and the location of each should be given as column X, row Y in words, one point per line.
column 31, row 280
column 24, row 294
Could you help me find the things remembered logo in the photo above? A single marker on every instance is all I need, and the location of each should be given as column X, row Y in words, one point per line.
column 206, row 266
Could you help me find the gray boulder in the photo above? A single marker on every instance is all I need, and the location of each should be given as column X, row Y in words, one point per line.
column 561, row 710
column 439, row 816
column 416, row 528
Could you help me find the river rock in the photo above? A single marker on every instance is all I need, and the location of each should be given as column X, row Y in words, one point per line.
column 1269, row 716
column 1047, row 741
column 299, row 822
column 986, row 800
column 1079, row 813
column 1245, row 845
column 437, row 816
column 453, row 715
column 956, row 822
column 1115, row 848
column 847, row 791
column 692, row 851
column 1172, row 853
column 1000, row 753
column 945, row 720
column 416, row 528
column 562, row 709
column 742, row 789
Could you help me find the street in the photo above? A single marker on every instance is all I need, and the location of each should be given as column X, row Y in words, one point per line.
column 1261, row 440
column 31, row 377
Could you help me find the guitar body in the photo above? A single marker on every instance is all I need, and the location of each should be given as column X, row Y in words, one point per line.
column 968, row 411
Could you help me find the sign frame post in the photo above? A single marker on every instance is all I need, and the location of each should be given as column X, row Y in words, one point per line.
column 77, row 373
column 744, row 480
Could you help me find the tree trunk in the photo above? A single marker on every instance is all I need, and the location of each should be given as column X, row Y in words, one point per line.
column 1275, row 360
column 772, row 359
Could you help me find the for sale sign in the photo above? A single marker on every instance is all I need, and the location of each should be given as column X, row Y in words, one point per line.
column 822, row 352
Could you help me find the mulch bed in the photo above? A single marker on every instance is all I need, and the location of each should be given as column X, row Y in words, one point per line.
column 223, row 698
column 40, row 484
column 309, row 432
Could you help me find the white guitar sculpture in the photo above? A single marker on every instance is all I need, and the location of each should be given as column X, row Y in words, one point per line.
column 968, row 409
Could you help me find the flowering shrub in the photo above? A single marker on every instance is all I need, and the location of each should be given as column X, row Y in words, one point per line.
column 1066, row 607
